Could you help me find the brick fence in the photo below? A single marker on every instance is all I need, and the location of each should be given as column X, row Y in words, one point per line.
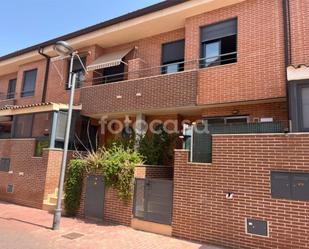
column 32, row 177
column 118, row 211
column 242, row 165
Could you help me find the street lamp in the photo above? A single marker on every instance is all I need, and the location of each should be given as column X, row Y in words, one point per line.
column 64, row 49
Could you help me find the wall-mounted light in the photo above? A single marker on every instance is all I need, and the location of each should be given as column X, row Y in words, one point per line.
column 235, row 112
column 118, row 97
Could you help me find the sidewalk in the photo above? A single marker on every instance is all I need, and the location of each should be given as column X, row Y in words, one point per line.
column 28, row 228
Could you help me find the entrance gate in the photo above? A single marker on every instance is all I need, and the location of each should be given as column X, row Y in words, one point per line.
column 153, row 200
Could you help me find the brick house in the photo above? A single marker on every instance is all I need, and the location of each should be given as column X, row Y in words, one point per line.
column 240, row 66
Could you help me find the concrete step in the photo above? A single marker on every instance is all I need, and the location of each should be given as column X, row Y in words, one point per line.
column 50, row 207
column 53, row 199
column 49, row 204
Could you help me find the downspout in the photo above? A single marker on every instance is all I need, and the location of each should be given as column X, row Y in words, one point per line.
column 287, row 53
column 40, row 51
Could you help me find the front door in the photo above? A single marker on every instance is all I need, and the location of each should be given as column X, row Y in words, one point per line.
column 94, row 199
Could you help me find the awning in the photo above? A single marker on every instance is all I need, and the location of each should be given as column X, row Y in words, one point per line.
column 34, row 108
column 109, row 60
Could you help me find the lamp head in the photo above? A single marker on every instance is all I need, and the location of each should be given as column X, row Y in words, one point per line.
column 63, row 48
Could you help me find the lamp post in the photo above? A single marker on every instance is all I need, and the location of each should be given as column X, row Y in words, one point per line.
column 64, row 49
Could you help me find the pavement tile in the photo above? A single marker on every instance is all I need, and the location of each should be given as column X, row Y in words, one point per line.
column 28, row 228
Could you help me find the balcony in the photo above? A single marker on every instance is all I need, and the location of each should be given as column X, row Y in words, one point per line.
column 7, row 99
column 141, row 90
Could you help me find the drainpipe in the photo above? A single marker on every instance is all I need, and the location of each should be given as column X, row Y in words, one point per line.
column 287, row 51
column 40, row 51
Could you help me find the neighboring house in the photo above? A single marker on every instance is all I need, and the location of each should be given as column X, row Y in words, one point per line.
column 241, row 66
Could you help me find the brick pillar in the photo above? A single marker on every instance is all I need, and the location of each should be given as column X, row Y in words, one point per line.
column 134, row 67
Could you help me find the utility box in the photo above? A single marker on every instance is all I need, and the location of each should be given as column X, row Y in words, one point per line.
column 10, row 188
column 257, row 227
column 300, row 186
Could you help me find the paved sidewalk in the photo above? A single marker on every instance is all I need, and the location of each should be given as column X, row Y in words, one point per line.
column 28, row 228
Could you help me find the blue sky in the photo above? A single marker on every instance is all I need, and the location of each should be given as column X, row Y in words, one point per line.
column 27, row 22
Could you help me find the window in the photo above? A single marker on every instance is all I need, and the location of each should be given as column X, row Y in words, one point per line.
column 219, row 43
column 113, row 74
column 29, row 83
column 5, row 164
column 41, row 124
column 173, row 57
column 288, row 185
column 11, row 89
column 23, row 126
column 228, row 120
column 61, row 125
column 79, row 71
column 5, row 127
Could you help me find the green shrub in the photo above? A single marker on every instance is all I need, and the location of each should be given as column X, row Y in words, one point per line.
column 157, row 148
column 121, row 142
column 116, row 164
column 73, row 186
column 39, row 146
column 119, row 166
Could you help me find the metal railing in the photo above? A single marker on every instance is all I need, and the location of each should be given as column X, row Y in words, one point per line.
column 201, row 140
column 166, row 69
column 7, row 96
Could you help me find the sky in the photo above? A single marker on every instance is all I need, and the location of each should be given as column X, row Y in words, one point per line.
column 27, row 22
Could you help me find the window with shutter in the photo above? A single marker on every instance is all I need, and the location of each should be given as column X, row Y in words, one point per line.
column 219, row 43
column 173, row 54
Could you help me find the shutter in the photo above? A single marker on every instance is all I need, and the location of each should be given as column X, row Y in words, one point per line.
column 219, row 30
column 173, row 52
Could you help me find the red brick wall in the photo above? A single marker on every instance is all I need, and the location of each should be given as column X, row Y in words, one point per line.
column 278, row 111
column 56, row 87
column 149, row 171
column 4, row 83
column 299, row 19
column 116, row 210
column 241, row 164
column 53, row 166
column 259, row 72
column 37, row 98
column 30, row 188
column 164, row 91
column 149, row 49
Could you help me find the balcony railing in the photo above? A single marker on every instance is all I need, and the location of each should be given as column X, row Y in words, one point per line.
column 7, row 99
column 176, row 67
